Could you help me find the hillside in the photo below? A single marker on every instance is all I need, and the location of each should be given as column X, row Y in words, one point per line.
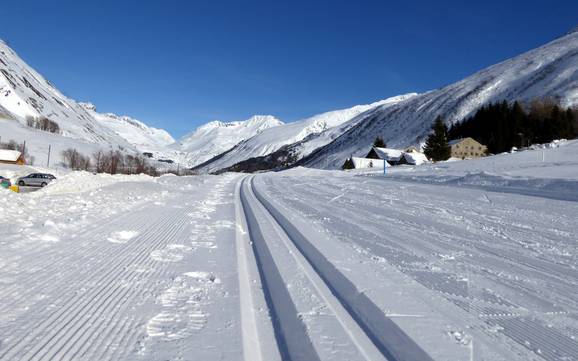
column 548, row 71
column 25, row 94
column 135, row 132
column 217, row 137
column 309, row 133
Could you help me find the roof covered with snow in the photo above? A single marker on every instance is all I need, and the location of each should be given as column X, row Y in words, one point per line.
column 415, row 158
column 9, row 155
column 455, row 141
column 389, row 154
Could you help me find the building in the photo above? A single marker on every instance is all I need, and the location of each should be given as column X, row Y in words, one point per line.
column 376, row 156
column 414, row 158
column 364, row 163
column 392, row 156
column 8, row 156
column 467, row 148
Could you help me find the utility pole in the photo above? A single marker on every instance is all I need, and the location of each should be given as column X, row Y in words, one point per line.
column 48, row 161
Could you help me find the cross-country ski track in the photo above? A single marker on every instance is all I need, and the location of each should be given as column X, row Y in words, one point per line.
column 291, row 266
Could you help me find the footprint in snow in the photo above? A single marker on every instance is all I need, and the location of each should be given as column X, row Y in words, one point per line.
column 182, row 307
column 122, row 236
column 171, row 253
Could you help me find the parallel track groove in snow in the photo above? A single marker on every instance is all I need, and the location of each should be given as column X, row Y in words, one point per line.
column 536, row 289
column 290, row 332
column 390, row 340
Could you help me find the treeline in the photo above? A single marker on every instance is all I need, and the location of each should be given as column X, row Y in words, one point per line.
column 43, row 124
column 111, row 162
column 501, row 126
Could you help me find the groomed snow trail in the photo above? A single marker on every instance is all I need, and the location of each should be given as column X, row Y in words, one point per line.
column 290, row 266
column 494, row 273
column 317, row 314
column 141, row 285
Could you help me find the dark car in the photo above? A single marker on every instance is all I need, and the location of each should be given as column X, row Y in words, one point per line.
column 36, row 180
column 5, row 182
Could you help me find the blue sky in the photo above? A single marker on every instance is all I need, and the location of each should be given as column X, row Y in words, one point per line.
column 177, row 64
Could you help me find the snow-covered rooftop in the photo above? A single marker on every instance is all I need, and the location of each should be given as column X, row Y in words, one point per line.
column 9, row 155
column 389, row 154
column 415, row 158
column 455, row 141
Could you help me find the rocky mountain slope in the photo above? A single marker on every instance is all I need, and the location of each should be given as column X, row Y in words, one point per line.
column 548, row 71
column 309, row 133
column 26, row 95
column 217, row 137
column 135, row 132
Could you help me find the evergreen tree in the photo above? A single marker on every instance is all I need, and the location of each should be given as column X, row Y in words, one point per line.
column 379, row 143
column 348, row 164
column 436, row 145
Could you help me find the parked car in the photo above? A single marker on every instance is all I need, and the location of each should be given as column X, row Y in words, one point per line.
column 5, row 182
column 36, row 179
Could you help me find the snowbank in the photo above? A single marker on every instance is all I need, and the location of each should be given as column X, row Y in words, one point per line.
column 76, row 182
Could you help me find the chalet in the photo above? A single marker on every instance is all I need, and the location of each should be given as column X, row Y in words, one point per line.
column 467, row 148
column 397, row 157
column 363, row 163
column 392, row 156
column 8, row 156
column 414, row 158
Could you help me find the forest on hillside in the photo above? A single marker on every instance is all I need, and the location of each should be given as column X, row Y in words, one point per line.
column 502, row 125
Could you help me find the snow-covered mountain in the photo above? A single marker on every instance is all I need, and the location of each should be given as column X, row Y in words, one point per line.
column 217, row 137
column 24, row 93
column 548, row 71
column 135, row 132
column 329, row 124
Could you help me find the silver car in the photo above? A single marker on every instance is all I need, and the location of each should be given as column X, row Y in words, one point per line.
column 36, row 180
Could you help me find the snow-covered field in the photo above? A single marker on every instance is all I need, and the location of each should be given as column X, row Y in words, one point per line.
column 465, row 260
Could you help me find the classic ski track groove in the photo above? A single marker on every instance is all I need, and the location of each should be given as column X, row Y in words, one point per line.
column 367, row 343
column 552, row 348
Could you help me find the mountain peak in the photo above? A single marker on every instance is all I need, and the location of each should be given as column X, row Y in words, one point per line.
column 87, row 106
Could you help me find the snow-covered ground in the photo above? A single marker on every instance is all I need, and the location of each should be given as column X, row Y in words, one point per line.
column 465, row 260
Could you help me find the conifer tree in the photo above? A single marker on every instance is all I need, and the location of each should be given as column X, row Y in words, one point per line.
column 348, row 164
column 436, row 145
column 379, row 143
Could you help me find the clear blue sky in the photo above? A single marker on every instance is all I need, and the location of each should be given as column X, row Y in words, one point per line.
column 176, row 64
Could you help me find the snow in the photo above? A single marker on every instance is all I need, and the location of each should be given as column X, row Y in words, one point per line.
column 135, row 132
column 25, row 93
column 415, row 158
column 550, row 71
column 216, row 137
column 389, row 154
column 433, row 262
column 456, row 260
column 363, row 163
column 9, row 155
column 307, row 134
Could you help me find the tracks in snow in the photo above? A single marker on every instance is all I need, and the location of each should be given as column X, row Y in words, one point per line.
column 316, row 312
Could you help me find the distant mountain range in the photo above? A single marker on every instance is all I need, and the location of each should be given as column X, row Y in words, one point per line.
column 264, row 142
